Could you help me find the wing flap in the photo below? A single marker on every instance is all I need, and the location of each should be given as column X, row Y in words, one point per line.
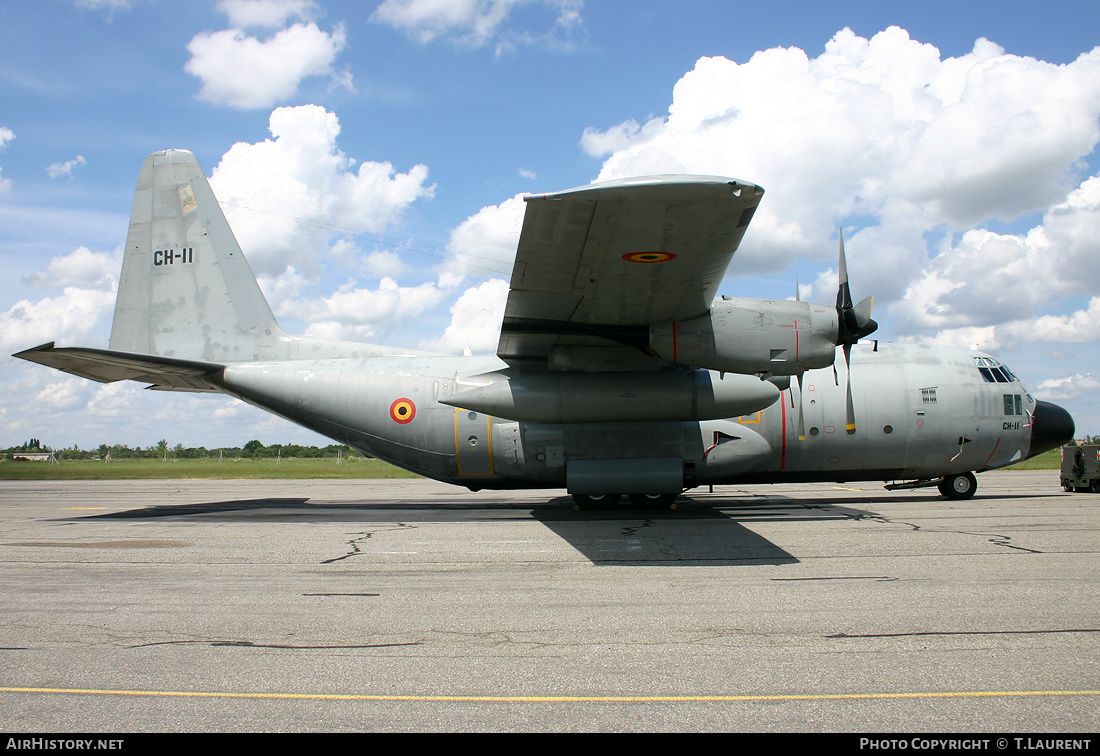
column 107, row 366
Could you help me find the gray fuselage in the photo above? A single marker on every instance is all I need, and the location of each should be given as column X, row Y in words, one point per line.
column 921, row 412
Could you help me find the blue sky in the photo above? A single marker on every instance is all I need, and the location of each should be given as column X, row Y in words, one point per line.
column 954, row 142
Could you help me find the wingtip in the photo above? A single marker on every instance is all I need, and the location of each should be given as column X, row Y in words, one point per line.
column 40, row 348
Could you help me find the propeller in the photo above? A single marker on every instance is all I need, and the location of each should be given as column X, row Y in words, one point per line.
column 854, row 322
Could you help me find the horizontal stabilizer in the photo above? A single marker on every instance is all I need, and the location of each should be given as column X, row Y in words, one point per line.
column 107, row 366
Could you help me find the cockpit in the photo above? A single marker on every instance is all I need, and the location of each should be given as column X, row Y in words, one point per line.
column 993, row 371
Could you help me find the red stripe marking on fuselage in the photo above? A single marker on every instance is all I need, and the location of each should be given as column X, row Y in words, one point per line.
column 994, row 450
column 783, row 448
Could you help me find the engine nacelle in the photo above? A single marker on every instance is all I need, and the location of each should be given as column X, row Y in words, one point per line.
column 777, row 336
column 658, row 396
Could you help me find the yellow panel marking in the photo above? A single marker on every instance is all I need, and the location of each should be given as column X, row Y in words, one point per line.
column 743, row 421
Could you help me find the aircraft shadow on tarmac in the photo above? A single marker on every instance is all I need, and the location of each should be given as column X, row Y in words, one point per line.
column 704, row 533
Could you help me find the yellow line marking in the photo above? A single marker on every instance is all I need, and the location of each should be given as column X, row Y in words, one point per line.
column 559, row 699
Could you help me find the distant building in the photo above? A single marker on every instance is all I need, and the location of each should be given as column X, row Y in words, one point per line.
column 34, row 456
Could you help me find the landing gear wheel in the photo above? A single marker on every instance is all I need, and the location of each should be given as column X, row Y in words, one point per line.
column 653, row 501
column 958, row 486
column 596, row 501
column 1094, row 485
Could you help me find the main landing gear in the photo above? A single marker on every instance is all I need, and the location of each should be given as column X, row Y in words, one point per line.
column 610, row 501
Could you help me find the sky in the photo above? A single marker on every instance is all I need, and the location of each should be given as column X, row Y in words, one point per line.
column 371, row 158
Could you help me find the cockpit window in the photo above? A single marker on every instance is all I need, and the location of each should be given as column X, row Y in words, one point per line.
column 993, row 371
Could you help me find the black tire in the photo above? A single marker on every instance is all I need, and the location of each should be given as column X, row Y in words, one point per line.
column 958, row 487
column 1094, row 485
column 653, row 501
column 596, row 501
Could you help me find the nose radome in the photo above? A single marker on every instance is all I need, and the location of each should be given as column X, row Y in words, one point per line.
column 1051, row 427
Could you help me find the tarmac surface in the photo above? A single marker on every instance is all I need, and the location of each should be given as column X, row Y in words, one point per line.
column 409, row 605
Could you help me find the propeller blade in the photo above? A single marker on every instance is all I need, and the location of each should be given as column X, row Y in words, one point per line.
column 843, row 294
column 849, row 407
column 801, row 415
column 863, row 309
column 861, row 323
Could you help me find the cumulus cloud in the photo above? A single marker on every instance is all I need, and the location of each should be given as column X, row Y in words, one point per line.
column 66, row 394
column 358, row 313
column 601, row 143
column 74, row 317
column 266, row 14
column 245, row 72
column 485, row 243
column 475, row 320
column 78, row 314
column 284, row 197
column 992, row 289
column 477, row 23
column 920, row 153
column 882, row 127
column 1069, row 387
column 81, row 268
column 56, row 170
column 385, row 263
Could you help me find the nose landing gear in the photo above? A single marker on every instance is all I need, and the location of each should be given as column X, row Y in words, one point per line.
column 961, row 486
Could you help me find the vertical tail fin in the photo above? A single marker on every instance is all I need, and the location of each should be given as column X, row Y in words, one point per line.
column 186, row 290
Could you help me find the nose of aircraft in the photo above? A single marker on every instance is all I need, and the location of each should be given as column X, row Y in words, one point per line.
column 1051, row 427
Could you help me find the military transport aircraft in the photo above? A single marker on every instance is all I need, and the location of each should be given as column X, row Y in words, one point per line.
column 618, row 371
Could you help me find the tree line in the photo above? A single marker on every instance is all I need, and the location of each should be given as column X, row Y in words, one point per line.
column 254, row 449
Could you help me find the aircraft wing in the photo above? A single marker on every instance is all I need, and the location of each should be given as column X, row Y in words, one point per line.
column 106, row 366
column 597, row 265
